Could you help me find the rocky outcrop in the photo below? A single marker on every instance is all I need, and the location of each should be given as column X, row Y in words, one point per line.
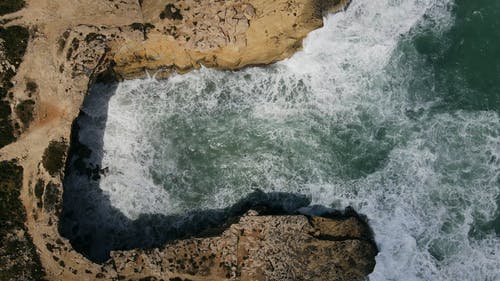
column 182, row 35
column 261, row 248
column 74, row 42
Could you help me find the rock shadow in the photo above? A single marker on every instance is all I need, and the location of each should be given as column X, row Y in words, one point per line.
column 95, row 227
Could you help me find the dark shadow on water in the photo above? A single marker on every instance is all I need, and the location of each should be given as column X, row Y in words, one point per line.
column 94, row 227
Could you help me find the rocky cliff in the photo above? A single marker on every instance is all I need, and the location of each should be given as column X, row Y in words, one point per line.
column 51, row 51
column 184, row 35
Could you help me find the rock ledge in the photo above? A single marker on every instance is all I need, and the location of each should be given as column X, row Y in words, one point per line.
column 73, row 43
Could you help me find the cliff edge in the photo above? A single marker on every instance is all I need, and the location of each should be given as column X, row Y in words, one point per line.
column 52, row 51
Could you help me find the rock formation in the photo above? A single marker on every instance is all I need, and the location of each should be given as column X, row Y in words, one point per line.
column 223, row 34
column 261, row 248
column 43, row 82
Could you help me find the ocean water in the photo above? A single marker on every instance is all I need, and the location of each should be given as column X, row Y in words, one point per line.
column 392, row 108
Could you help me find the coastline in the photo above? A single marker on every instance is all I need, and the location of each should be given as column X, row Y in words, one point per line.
column 90, row 41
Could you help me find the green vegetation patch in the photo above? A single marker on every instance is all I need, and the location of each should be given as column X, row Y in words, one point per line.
column 53, row 157
column 39, row 187
column 24, row 112
column 18, row 257
column 142, row 27
column 51, row 197
column 11, row 6
column 31, row 87
column 171, row 12
column 93, row 37
column 15, row 41
column 11, row 177
column 6, row 128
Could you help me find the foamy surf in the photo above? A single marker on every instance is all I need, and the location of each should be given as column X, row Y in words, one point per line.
column 340, row 121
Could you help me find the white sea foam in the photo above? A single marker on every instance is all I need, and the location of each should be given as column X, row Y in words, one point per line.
column 425, row 200
column 330, row 122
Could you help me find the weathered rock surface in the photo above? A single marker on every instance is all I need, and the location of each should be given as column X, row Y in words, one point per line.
column 70, row 43
column 182, row 35
column 262, row 248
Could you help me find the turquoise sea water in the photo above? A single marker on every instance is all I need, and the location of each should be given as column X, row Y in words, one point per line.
column 392, row 108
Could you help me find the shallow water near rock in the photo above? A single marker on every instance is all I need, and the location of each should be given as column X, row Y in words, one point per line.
column 391, row 108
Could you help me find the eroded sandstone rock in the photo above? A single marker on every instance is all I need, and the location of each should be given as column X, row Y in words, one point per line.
column 262, row 248
column 223, row 34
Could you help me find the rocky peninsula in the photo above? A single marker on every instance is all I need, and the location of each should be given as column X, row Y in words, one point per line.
column 52, row 51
